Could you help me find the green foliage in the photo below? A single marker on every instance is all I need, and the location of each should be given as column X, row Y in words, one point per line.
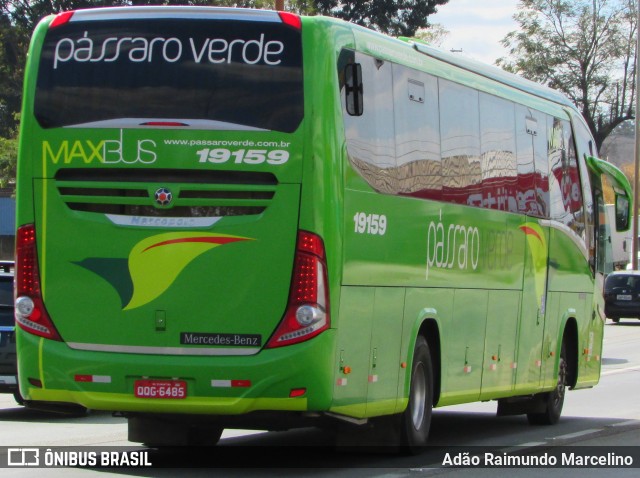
column 8, row 156
column 434, row 35
column 12, row 54
column 394, row 17
column 584, row 48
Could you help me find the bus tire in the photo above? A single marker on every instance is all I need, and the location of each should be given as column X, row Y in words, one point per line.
column 204, row 436
column 157, row 432
column 554, row 400
column 416, row 419
column 17, row 396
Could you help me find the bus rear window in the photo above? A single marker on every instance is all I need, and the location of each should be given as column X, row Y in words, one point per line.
column 207, row 74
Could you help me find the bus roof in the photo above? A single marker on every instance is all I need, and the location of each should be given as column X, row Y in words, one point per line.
column 168, row 11
column 492, row 72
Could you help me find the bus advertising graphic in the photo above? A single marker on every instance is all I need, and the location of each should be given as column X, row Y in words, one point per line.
column 153, row 264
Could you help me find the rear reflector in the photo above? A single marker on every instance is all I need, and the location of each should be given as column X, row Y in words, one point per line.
column 93, row 378
column 230, row 383
column 297, row 392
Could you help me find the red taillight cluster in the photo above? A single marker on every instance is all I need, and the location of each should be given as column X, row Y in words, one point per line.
column 31, row 315
column 307, row 311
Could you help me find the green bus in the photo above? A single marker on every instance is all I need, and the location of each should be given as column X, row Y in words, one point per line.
column 233, row 218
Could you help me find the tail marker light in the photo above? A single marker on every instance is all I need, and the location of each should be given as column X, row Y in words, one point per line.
column 307, row 312
column 291, row 19
column 61, row 19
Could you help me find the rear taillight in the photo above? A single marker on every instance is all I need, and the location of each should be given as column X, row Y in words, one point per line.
column 31, row 314
column 307, row 312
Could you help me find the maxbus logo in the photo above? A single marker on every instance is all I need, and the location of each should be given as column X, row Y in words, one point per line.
column 154, row 264
column 108, row 151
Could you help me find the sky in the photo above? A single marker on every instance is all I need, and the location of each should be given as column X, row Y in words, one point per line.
column 477, row 26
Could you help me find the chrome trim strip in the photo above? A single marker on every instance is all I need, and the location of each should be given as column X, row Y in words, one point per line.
column 141, row 349
column 161, row 222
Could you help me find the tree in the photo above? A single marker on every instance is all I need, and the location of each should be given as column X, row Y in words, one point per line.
column 12, row 54
column 8, row 156
column 434, row 35
column 583, row 48
column 394, row 17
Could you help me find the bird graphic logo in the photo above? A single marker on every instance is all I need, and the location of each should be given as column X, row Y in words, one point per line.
column 539, row 254
column 154, row 264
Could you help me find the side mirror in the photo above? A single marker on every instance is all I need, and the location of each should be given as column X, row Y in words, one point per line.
column 622, row 212
column 353, row 89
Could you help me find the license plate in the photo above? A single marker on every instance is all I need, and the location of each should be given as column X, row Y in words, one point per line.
column 624, row 297
column 167, row 389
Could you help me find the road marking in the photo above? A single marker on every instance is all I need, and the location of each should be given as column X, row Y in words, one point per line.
column 533, row 443
column 621, row 370
column 577, row 434
column 627, row 423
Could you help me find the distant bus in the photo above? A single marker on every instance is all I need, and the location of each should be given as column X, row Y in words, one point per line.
column 232, row 218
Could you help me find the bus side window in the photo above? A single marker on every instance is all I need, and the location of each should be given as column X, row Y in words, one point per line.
column 584, row 147
column 533, row 163
column 564, row 181
column 497, row 155
column 460, row 144
column 417, row 124
column 370, row 137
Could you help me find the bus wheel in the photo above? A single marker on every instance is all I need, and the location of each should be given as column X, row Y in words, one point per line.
column 204, row 436
column 17, row 396
column 554, row 400
column 416, row 419
column 157, row 432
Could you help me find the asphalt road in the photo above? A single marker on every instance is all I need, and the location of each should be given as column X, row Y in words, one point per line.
column 605, row 416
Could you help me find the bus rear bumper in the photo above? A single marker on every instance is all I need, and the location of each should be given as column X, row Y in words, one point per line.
column 296, row 378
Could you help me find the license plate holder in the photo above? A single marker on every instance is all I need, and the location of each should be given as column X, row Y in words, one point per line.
column 161, row 389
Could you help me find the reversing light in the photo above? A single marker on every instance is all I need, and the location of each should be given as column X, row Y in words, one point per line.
column 307, row 315
column 25, row 306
